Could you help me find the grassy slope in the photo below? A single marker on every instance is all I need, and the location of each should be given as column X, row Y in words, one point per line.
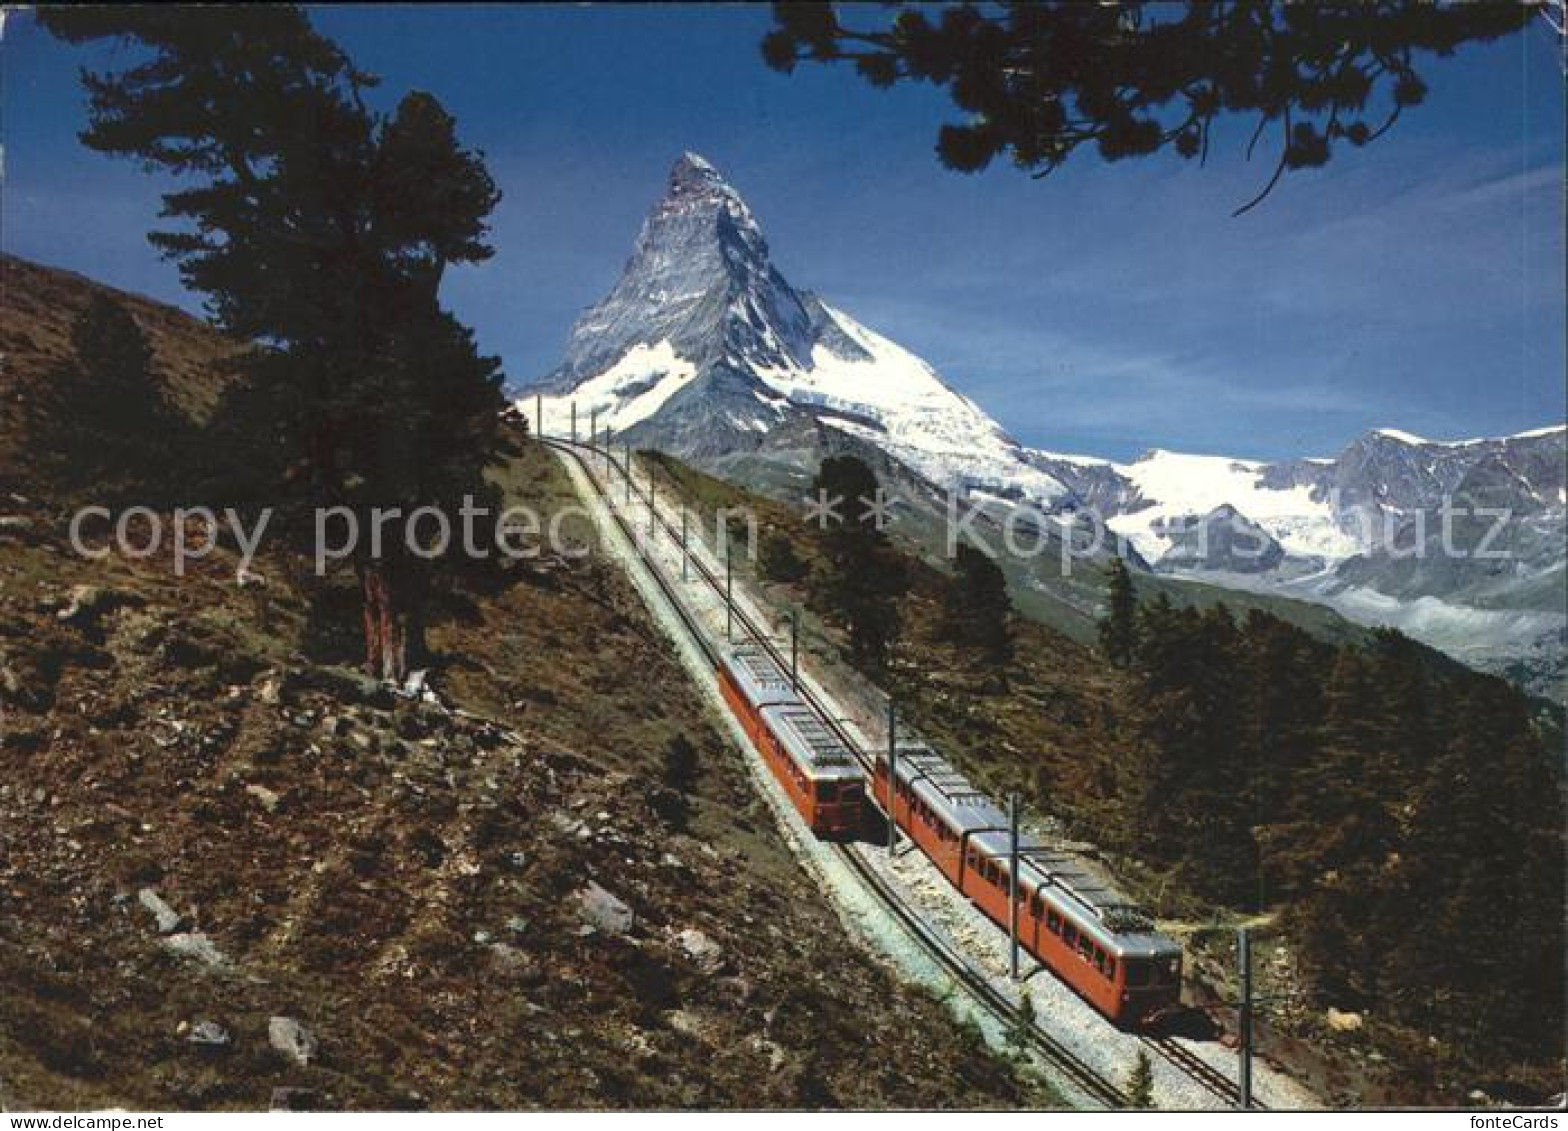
column 402, row 881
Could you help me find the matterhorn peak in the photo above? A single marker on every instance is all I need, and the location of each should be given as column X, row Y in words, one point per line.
column 694, row 169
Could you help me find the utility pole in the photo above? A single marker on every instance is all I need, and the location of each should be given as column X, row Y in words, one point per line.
column 574, row 422
column 628, row 473
column 1012, row 883
column 729, row 595
column 892, row 776
column 685, row 556
column 593, row 428
column 794, row 650
column 539, row 415
column 650, row 501
column 1244, row 1018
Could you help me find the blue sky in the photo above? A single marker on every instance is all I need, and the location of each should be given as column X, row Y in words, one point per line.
column 1107, row 309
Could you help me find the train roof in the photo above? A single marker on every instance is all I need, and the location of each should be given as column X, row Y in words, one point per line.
column 811, row 745
column 763, row 681
column 1069, row 880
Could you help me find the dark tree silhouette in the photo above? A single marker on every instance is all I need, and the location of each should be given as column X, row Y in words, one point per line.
column 1119, row 626
column 858, row 578
column 103, row 421
column 320, row 231
column 977, row 606
column 1038, row 80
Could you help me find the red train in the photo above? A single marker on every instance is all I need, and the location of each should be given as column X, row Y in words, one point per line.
column 1072, row 921
column 818, row 772
column 1092, row 937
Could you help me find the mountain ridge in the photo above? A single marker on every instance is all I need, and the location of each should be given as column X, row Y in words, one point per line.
column 704, row 350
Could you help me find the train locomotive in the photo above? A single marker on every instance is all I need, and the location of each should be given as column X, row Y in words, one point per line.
column 1071, row 920
column 821, row 775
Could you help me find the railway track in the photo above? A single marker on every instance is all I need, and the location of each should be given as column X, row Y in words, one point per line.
column 1085, row 1078
column 1193, row 1066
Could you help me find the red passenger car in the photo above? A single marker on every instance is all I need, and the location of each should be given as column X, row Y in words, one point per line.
column 1085, row 932
column 819, row 773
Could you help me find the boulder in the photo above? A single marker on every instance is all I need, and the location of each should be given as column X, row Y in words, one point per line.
column 195, row 944
column 84, row 604
column 168, row 919
column 291, row 1039
column 208, row 1035
column 600, row 909
column 702, row 950
column 267, row 798
column 1343, row 1022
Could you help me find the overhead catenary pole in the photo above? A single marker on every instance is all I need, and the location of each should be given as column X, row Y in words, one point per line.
column 892, row 776
column 574, row 422
column 685, row 555
column 1012, row 884
column 794, row 650
column 1244, row 1019
column 593, row 428
column 539, row 415
column 729, row 595
column 628, row 473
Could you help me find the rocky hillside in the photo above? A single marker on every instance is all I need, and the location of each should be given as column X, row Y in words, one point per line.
column 233, row 875
column 37, row 306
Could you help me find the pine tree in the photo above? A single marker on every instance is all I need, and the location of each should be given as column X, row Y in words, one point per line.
column 1140, row 1083
column 1119, row 627
column 104, row 422
column 777, row 559
column 976, row 605
column 1020, row 1026
column 859, row 577
column 319, row 230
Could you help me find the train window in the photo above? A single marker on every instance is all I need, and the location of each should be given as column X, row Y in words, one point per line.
column 1085, row 947
column 1037, row 906
column 1110, row 967
column 1053, row 921
column 1069, row 933
column 827, row 791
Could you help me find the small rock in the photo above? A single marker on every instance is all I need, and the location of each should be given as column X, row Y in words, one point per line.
column 517, row 925
column 481, row 938
column 268, row 799
column 291, row 1099
column 83, row 604
column 168, row 918
column 1343, row 1022
column 517, row 859
column 293, row 1040
column 684, row 1022
column 702, row 950
column 209, row 1034
column 195, row 944
column 598, row 908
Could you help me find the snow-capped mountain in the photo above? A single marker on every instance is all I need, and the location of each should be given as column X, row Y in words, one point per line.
column 1322, row 511
column 703, row 349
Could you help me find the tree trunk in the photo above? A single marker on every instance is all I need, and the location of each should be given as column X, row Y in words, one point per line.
column 387, row 618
